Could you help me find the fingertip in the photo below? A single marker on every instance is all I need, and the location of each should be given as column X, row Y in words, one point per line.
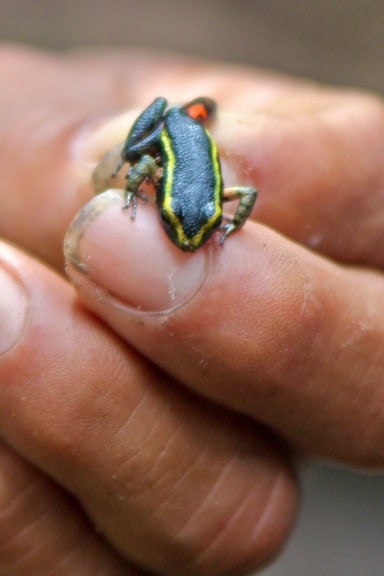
column 132, row 259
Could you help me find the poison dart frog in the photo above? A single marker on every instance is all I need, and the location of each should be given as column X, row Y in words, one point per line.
column 171, row 148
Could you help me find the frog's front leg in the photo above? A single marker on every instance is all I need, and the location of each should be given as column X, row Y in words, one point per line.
column 145, row 169
column 247, row 198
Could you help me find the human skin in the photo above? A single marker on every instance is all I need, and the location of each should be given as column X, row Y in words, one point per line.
column 150, row 407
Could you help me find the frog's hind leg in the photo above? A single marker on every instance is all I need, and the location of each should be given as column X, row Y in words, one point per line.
column 246, row 196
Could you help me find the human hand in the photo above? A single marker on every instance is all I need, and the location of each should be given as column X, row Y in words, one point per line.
column 173, row 482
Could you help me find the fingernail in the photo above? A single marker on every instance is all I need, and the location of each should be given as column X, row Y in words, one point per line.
column 132, row 260
column 13, row 309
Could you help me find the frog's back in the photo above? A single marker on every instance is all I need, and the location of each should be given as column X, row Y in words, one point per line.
column 191, row 180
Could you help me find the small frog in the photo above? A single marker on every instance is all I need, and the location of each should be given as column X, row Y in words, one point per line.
column 171, row 148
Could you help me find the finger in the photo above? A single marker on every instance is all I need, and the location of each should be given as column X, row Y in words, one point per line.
column 43, row 531
column 315, row 155
column 173, row 483
column 260, row 325
column 316, row 158
column 63, row 155
column 51, row 108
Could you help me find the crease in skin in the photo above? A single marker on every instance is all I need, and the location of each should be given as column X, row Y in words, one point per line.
column 181, row 480
column 207, row 499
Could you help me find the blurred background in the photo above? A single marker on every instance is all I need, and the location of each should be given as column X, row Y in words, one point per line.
column 341, row 526
column 338, row 41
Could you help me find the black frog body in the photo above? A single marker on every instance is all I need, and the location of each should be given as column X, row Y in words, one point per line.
column 173, row 149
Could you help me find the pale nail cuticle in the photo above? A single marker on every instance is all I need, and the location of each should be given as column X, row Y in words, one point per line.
column 13, row 309
column 82, row 220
